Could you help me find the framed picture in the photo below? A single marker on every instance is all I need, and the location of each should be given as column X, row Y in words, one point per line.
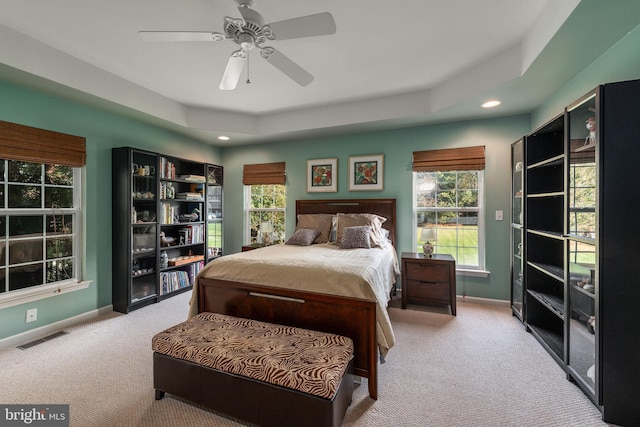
column 322, row 175
column 366, row 173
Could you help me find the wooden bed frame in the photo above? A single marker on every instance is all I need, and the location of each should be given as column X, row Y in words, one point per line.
column 351, row 317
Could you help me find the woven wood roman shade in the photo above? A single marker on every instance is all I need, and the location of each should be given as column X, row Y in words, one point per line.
column 264, row 174
column 27, row 144
column 449, row 159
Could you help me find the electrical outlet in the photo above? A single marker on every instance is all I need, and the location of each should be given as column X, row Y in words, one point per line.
column 499, row 215
column 32, row 315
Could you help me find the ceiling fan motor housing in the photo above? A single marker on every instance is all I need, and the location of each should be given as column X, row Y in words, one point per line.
column 248, row 33
column 246, row 3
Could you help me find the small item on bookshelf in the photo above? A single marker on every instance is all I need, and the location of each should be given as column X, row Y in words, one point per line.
column 185, row 259
column 164, row 260
column 193, row 178
column 188, row 195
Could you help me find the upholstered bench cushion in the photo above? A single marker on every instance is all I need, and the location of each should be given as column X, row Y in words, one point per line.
column 308, row 361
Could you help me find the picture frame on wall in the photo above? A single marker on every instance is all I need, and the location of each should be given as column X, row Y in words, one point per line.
column 366, row 173
column 322, row 175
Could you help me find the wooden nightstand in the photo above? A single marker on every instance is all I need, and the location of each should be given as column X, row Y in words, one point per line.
column 430, row 280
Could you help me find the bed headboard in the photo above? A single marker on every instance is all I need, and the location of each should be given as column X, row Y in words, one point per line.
column 383, row 207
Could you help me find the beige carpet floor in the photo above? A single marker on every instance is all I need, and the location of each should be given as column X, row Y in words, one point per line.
column 477, row 369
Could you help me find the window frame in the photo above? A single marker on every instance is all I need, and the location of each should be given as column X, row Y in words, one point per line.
column 10, row 298
column 248, row 210
column 472, row 270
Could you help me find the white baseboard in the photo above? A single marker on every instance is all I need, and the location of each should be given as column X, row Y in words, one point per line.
column 45, row 330
column 503, row 303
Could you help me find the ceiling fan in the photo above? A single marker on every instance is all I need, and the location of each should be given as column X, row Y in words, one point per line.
column 251, row 32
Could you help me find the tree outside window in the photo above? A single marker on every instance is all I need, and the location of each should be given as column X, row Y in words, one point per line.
column 266, row 203
column 37, row 225
column 450, row 202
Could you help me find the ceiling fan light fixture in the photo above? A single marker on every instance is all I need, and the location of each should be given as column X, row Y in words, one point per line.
column 246, row 41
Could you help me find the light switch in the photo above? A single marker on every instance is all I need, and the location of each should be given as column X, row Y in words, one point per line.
column 499, row 215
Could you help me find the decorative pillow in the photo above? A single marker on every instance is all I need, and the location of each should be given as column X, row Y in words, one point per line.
column 356, row 237
column 333, row 235
column 302, row 237
column 319, row 222
column 354, row 220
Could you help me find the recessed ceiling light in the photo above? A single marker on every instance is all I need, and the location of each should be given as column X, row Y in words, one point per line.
column 223, row 138
column 491, row 104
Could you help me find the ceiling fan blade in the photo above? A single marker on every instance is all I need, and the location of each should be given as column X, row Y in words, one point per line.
column 251, row 15
column 319, row 24
column 287, row 66
column 181, row 36
column 234, row 68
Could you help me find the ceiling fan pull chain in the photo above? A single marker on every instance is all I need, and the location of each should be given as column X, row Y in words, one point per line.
column 248, row 81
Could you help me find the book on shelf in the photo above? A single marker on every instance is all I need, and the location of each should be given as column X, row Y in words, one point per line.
column 171, row 281
column 192, row 234
column 189, row 196
column 167, row 213
column 192, row 178
column 167, row 169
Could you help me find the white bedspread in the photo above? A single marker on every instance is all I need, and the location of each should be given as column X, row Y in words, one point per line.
column 325, row 268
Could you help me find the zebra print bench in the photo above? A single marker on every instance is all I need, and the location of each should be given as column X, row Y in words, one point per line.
column 258, row 372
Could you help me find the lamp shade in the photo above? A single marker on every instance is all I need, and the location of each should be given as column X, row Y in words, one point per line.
column 427, row 234
column 266, row 227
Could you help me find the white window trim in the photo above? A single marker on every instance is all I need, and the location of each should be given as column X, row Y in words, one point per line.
column 480, row 271
column 36, row 293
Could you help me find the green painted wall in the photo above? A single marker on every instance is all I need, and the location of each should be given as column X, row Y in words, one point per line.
column 102, row 131
column 397, row 147
column 621, row 62
column 105, row 130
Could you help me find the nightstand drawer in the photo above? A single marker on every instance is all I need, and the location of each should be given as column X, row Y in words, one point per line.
column 430, row 290
column 427, row 272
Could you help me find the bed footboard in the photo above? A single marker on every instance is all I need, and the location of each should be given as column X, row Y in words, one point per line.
column 350, row 317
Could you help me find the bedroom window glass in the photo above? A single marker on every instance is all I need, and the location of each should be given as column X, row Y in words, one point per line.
column 450, row 202
column 265, row 203
column 39, row 226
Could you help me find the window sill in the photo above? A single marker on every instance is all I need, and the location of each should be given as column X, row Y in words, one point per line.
column 472, row 273
column 41, row 292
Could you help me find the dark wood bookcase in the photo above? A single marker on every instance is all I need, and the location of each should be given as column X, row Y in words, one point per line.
column 581, row 245
column 543, row 237
column 516, row 229
column 160, row 225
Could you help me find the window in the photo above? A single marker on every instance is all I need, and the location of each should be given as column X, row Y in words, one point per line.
column 448, row 194
column 38, row 224
column 40, row 213
column 265, row 203
column 450, row 203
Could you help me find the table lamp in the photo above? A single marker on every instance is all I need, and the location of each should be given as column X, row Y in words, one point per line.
column 266, row 228
column 427, row 234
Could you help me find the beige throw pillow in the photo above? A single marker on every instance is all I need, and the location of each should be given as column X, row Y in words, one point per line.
column 318, row 222
column 355, row 220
